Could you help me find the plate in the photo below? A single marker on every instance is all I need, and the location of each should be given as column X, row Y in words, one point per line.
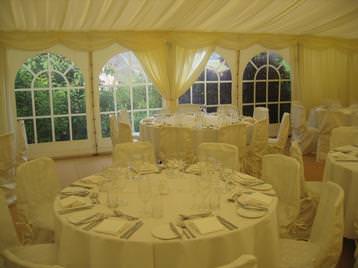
column 250, row 213
column 262, row 187
column 164, row 232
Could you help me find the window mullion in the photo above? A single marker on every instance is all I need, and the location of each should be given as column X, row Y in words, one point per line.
column 49, row 70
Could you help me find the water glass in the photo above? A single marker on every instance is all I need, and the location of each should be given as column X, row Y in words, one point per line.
column 145, row 193
column 157, row 207
column 112, row 195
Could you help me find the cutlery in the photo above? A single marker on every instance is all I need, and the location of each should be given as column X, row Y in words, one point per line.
column 193, row 216
column 89, row 219
column 259, row 208
column 70, row 210
column 94, row 223
column 182, row 225
column 80, row 185
column 175, row 230
column 226, row 223
column 132, row 230
column 94, row 198
column 119, row 213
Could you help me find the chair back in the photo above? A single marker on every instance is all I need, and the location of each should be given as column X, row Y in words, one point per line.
column 7, row 154
column 296, row 153
column 283, row 173
column 328, row 225
column 354, row 118
column 283, row 131
column 259, row 139
column 8, row 237
column 126, row 152
column 343, row 136
column 21, row 142
column 236, row 135
column 14, row 261
column 123, row 117
column 176, row 143
column 124, row 133
column 244, row 261
column 113, row 128
column 226, row 154
column 37, row 185
column 261, row 113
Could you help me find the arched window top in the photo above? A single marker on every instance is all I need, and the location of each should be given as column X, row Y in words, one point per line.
column 266, row 83
column 50, row 98
column 213, row 86
column 123, row 85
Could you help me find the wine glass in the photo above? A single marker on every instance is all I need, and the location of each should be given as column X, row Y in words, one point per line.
column 145, row 193
column 121, row 184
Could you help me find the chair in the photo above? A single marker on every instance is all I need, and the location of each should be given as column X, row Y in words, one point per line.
column 126, row 152
column 343, row 136
column 261, row 113
column 301, row 228
column 17, row 256
column 235, row 135
column 188, row 108
column 244, row 261
column 120, row 131
column 304, row 135
column 21, row 143
column 176, row 143
column 331, row 120
column 257, row 148
column 283, row 173
column 354, row 118
column 7, row 157
column 123, row 117
column 113, row 128
column 226, row 154
column 277, row 145
column 37, row 185
column 325, row 243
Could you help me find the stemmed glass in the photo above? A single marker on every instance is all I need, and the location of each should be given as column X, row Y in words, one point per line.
column 145, row 193
column 121, row 184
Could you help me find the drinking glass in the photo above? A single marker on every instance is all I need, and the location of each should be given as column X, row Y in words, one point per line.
column 145, row 193
column 122, row 183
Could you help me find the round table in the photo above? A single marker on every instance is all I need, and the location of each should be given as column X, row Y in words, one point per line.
column 345, row 174
column 150, row 131
column 78, row 248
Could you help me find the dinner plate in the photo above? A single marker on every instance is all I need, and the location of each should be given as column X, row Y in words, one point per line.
column 164, row 232
column 262, row 187
column 250, row 213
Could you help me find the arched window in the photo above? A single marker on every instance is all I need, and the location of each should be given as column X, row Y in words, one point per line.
column 213, row 87
column 50, row 98
column 123, row 85
column 267, row 83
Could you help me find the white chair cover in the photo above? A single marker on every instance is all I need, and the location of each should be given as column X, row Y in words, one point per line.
column 176, row 143
column 331, row 120
column 123, row 117
column 7, row 157
column 244, row 261
column 21, row 143
column 354, row 118
column 277, row 145
column 8, row 237
column 126, row 152
column 343, row 136
column 301, row 228
column 283, row 173
column 37, row 185
column 236, row 135
column 114, row 131
column 305, row 136
column 325, row 244
column 226, row 154
column 257, row 148
column 188, row 108
column 261, row 113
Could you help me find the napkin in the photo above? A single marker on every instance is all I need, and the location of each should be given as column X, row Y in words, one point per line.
column 344, row 149
column 339, row 156
column 112, row 226
column 74, row 201
column 255, row 199
column 73, row 190
column 81, row 216
column 94, row 179
column 207, row 225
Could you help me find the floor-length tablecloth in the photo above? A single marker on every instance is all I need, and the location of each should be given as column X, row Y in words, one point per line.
column 87, row 249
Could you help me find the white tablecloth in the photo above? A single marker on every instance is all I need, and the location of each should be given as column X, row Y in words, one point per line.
column 317, row 114
column 345, row 173
column 87, row 249
column 151, row 133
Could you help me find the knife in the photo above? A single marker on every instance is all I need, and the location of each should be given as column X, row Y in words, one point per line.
column 132, row 230
column 175, row 230
column 227, row 223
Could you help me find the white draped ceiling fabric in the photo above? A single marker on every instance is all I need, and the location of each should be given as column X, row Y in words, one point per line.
column 173, row 39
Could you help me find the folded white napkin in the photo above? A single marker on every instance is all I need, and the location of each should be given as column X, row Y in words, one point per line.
column 112, row 226
column 74, row 201
column 94, row 179
column 207, row 225
column 255, row 199
column 81, row 216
